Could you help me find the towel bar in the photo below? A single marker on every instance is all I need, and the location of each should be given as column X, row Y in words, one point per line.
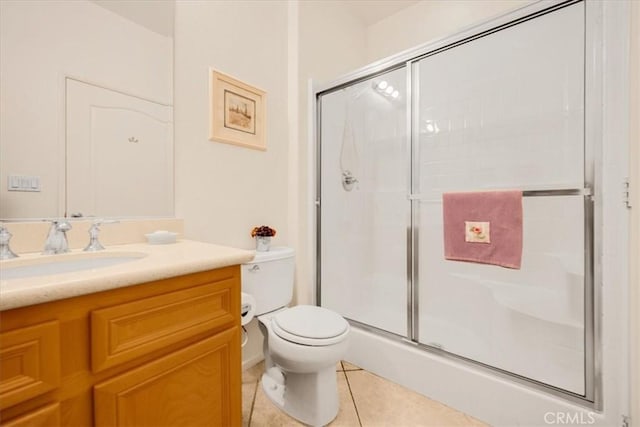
column 526, row 193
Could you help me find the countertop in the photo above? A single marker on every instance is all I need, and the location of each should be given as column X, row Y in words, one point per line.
column 155, row 262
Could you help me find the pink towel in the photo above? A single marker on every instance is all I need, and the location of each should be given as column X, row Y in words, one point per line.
column 483, row 227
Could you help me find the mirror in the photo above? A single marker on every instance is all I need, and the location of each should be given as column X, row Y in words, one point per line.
column 86, row 116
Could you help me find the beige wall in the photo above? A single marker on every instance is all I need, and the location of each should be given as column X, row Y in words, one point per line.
column 634, row 255
column 41, row 42
column 430, row 20
column 223, row 190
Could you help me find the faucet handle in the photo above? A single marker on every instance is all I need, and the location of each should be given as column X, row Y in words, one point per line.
column 56, row 242
column 95, row 226
column 59, row 224
column 94, row 244
column 62, row 225
column 5, row 249
column 99, row 221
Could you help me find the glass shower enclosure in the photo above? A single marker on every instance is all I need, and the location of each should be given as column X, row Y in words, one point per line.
column 502, row 110
column 365, row 221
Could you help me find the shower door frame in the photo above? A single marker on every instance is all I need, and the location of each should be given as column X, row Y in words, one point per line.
column 593, row 94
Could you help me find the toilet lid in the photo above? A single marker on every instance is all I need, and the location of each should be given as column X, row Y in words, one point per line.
column 311, row 325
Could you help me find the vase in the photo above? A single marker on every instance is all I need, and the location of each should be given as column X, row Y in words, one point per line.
column 263, row 243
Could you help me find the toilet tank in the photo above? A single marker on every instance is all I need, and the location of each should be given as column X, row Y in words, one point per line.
column 269, row 279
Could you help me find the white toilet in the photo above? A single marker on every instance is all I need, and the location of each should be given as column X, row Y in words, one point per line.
column 302, row 344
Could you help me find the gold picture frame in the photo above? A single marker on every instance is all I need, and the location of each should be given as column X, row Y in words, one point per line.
column 237, row 112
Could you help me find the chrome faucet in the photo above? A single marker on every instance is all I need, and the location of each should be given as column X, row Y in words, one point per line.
column 5, row 250
column 56, row 242
column 94, row 245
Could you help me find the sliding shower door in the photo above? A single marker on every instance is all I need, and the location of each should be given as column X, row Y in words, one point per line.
column 365, row 212
column 506, row 111
column 503, row 109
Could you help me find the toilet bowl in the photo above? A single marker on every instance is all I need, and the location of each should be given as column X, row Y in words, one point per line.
column 302, row 344
column 304, row 339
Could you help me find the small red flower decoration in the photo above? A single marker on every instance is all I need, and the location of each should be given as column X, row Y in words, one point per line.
column 263, row 231
column 478, row 231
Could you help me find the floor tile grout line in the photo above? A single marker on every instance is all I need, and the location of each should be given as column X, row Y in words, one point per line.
column 253, row 401
column 257, row 383
column 355, row 368
column 355, row 406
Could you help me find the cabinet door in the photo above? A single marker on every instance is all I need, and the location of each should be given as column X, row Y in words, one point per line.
column 197, row 386
column 43, row 417
column 29, row 362
column 126, row 331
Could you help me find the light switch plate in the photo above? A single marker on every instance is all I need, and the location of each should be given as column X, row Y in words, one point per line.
column 23, row 183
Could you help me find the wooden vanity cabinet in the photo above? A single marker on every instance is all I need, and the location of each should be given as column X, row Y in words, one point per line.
column 164, row 353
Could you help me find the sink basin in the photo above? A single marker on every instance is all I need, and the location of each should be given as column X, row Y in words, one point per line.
column 67, row 263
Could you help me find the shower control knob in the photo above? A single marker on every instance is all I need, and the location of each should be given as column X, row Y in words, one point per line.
column 348, row 180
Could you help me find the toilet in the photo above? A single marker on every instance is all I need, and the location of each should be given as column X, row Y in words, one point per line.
column 302, row 344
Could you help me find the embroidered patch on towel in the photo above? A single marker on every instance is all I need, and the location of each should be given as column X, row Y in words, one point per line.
column 477, row 232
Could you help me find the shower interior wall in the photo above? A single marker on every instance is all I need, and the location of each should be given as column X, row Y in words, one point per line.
column 364, row 230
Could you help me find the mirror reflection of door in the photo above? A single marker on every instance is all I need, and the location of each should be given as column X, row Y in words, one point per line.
column 123, row 45
column 118, row 147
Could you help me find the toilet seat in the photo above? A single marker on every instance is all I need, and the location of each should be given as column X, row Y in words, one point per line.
column 310, row 325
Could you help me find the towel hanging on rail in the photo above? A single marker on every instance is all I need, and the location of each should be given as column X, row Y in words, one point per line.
column 484, row 227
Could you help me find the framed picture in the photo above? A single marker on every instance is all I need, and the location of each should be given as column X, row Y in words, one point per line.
column 237, row 112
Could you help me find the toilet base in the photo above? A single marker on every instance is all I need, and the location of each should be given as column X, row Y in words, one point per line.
column 310, row 398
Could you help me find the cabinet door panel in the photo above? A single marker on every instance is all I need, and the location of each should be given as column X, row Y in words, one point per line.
column 29, row 362
column 43, row 417
column 126, row 331
column 199, row 385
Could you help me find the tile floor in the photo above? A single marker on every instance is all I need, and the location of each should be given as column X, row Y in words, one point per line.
column 366, row 400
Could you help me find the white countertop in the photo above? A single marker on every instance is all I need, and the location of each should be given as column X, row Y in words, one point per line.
column 156, row 262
